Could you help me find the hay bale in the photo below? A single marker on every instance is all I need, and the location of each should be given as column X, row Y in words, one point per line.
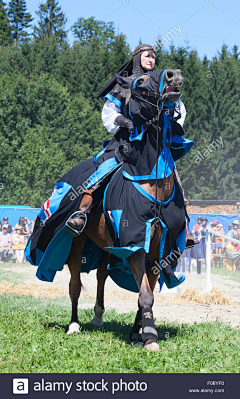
column 193, row 296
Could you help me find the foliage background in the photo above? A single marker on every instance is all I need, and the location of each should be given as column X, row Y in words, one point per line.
column 50, row 119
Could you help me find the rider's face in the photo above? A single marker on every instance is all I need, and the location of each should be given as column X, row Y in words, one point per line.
column 147, row 61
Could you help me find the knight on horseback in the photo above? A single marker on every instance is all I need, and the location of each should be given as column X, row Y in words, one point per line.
column 116, row 119
column 128, row 196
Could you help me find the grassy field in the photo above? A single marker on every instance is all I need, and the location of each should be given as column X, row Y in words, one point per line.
column 33, row 339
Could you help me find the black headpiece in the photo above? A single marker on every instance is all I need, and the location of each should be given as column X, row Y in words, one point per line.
column 131, row 69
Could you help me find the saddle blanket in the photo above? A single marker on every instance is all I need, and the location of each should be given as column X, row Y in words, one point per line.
column 130, row 212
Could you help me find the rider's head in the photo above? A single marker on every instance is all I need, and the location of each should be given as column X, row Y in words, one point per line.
column 143, row 59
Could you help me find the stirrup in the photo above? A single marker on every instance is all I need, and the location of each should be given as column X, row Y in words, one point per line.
column 73, row 216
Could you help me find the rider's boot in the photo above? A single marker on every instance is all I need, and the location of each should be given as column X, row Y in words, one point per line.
column 78, row 223
column 191, row 241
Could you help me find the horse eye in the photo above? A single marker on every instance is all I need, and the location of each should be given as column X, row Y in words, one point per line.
column 143, row 80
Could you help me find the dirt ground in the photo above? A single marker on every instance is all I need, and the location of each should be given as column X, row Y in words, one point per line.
column 169, row 305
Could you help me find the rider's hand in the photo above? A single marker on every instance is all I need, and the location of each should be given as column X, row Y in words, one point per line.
column 123, row 122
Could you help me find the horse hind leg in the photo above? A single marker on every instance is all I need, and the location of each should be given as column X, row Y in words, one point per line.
column 74, row 264
column 145, row 301
column 102, row 274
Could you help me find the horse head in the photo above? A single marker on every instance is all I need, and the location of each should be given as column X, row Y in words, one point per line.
column 151, row 92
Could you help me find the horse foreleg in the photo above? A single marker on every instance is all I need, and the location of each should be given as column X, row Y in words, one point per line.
column 152, row 275
column 145, row 301
column 74, row 263
column 102, row 274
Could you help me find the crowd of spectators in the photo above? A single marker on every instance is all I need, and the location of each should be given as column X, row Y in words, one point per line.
column 13, row 240
column 222, row 249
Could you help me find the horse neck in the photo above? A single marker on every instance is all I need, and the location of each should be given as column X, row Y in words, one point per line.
column 164, row 187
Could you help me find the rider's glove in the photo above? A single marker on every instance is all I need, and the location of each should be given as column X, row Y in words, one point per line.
column 123, row 122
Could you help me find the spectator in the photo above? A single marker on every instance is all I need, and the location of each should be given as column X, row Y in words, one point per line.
column 232, row 255
column 24, row 222
column 230, row 230
column 5, row 221
column 31, row 227
column 202, row 229
column 219, row 240
column 5, row 243
column 18, row 243
column 236, row 225
column 199, row 223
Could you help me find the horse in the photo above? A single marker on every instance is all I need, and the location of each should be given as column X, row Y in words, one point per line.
column 151, row 105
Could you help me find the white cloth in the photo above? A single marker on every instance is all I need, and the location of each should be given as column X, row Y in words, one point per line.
column 110, row 111
column 180, row 108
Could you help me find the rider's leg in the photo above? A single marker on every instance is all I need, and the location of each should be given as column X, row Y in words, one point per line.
column 190, row 239
column 78, row 222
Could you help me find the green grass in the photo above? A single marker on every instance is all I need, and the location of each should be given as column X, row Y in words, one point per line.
column 9, row 275
column 33, row 339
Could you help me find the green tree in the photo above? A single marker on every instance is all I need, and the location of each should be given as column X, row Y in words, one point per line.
column 4, row 25
column 20, row 20
column 90, row 29
column 52, row 22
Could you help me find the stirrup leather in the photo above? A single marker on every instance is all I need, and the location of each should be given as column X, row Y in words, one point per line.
column 73, row 216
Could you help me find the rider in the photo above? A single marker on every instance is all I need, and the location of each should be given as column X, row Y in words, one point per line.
column 113, row 118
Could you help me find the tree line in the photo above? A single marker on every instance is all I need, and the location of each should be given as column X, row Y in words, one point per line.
column 50, row 119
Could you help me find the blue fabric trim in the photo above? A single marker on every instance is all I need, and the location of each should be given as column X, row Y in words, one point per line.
column 129, row 110
column 134, row 135
column 55, row 199
column 162, row 80
column 39, row 255
column 125, row 252
column 161, row 167
column 162, row 240
column 167, row 127
column 102, row 170
column 148, row 235
column 47, row 275
column 104, row 200
column 55, row 255
column 150, row 197
column 180, row 243
column 114, row 100
column 121, row 266
column 27, row 253
column 117, row 213
column 105, row 144
column 186, row 144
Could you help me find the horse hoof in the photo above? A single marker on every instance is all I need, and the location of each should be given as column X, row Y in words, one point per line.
column 135, row 337
column 73, row 327
column 153, row 347
column 97, row 321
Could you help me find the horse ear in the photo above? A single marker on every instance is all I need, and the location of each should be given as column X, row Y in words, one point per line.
column 126, row 83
